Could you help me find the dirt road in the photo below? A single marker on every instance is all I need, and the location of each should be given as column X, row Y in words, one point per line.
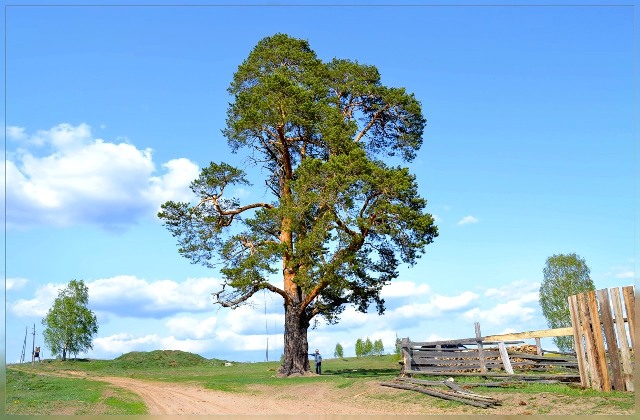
column 363, row 398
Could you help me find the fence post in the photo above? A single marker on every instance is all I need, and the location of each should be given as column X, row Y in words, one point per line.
column 505, row 358
column 483, row 364
column 406, row 356
column 538, row 346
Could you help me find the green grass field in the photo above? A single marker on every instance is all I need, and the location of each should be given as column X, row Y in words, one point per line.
column 30, row 393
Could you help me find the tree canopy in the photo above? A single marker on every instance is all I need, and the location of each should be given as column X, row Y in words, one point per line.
column 338, row 220
column 564, row 275
column 69, row 324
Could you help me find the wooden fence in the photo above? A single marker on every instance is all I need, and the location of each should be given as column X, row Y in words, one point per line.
column 604, row 344
column 485, row 356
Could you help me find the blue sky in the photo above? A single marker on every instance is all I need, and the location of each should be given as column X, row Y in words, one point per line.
column 528, row 152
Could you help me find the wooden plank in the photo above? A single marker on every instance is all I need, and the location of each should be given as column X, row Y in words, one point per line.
column 505, row 359
column 538, row 346
column 554, row 332
column 501, row 375
column 469, row 354
column 542, row 358
column 625, row 354
column 577, row 341
column 599, row 340
column 483, row 367
column 612, row 345
column 629, row 303
column 595, row 381
column 435, row 393
column 464, row 341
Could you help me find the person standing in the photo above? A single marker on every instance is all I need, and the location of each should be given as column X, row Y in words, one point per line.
column 318, row 359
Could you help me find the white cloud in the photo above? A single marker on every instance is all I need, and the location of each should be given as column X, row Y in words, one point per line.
column 192, row 328
column 437, row 305
column 88, row 180
column 398, row 289
column 131, row 296
column 171, row 186
column 626, row 275
column 16, row 133
column 508, row 312
column 40, row 304
column 467, row 220
column 518, row 289
column 15, row 283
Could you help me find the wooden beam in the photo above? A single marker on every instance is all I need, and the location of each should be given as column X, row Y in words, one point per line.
column 483, row 366
column 629, row 303
column 625, row 353
column 577, row 341
column 554, row 332
column 599, row 340
column 505, row 358
column 610, row 336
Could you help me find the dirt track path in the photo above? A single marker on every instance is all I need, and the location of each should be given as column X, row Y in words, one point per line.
column 182, row 398
column 365, row 398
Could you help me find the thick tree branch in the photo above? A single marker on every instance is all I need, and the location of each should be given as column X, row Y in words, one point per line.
column 232, row 212
column 371, row 123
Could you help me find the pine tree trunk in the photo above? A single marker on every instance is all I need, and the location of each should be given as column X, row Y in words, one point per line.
column 296, row 346
column 64, row 354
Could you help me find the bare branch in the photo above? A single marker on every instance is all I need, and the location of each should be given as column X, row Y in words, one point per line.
column 237, row 297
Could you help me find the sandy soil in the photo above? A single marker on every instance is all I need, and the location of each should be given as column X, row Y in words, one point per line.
column 364, row 398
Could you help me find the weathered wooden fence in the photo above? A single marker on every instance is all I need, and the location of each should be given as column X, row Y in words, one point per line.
column 484, row 356
column 604, row 338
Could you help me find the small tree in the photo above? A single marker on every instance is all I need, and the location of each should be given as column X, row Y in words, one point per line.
column 368, row 347
column 378, row 347
column 339, row 351
column 69, row 324
column 398, row 346
column 564, row 275
column 359, row 347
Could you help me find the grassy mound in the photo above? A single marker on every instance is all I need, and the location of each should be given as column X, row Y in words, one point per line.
column 159, row 358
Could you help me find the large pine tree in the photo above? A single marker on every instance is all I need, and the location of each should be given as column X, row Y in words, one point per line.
column 339, row 221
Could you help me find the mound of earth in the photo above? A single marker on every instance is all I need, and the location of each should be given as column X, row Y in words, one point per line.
column 159, row 358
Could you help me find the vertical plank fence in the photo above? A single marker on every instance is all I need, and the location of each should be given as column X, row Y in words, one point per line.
column 605, row 358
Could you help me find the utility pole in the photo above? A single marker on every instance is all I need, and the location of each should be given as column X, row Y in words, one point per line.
column 33, row 351
column 24, row 344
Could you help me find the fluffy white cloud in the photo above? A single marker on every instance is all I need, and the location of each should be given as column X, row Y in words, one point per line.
column 626, row 275
column 131, row 296
column 87, row 180
column 508, row 312
column 467, row 220
column 404, row 289
column 188, row 327
column 39, row 305
column 436, row 306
